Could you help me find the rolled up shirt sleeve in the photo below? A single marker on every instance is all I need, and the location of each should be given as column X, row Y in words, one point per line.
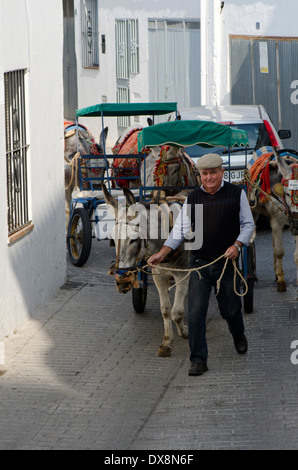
column 247, row 224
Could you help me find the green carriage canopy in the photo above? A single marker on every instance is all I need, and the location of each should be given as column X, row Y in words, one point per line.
column 127, row 109
column 188, row 133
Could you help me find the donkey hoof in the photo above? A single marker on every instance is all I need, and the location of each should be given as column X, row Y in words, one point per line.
column 164, row 351
column 281, row 286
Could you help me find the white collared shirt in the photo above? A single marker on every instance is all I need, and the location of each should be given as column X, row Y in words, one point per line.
column 183, row 223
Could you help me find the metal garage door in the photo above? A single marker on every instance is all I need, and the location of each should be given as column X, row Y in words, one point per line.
column 264, row 71
column 174, row 62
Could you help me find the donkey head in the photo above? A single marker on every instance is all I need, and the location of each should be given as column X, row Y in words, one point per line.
column 170, row 167
column 83, row 142
column 128, row 235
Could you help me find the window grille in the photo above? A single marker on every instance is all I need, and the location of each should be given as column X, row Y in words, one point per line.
column 89, row 31
column 127, row 48
column 16, row 151
column 121, row 49
column 123, row 97
column 133, row 29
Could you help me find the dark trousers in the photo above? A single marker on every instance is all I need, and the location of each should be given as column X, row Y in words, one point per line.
column 229, row 303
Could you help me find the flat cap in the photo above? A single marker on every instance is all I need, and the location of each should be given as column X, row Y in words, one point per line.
column 209, row 160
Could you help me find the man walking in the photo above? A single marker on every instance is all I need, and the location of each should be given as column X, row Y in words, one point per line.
column 227, row 226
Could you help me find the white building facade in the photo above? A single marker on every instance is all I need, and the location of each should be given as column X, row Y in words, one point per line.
column 134, row 45
column 190, row 52
column 251, row 57
column 32, row 227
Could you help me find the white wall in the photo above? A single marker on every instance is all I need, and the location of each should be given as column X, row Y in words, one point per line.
column 92, row 85
column 276, row 18
column 34, row 266
column 238, row 17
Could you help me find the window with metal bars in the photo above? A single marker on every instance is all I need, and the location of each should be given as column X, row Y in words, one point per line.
column 127, row 47
column 16, row 151
column 123, row 97
column 89, row 31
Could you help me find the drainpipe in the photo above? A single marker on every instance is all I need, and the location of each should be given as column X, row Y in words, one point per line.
column 204, row 51
column 217, row 53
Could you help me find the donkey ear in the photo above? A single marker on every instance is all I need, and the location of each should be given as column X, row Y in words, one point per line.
column 103, row 136
column 130, row 199
column 112, row 203
column 283, row 167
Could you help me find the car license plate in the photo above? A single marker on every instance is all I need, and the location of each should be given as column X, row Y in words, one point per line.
column 235, row 176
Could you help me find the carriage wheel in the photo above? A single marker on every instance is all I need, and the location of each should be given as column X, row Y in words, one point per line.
column 79, row 238
column 139, row 298
column 139, row 294
column 248, row 299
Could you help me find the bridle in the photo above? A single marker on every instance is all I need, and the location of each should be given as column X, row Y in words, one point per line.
column 126, row 277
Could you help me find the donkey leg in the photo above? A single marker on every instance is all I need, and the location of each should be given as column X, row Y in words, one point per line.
column 162, row 284
column 177, row 312
column 278, row 253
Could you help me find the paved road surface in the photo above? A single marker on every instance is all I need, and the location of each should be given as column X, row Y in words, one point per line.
column 83, row 373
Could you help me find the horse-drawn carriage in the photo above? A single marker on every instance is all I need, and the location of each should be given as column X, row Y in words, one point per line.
column 87, row 216
column 172, row 172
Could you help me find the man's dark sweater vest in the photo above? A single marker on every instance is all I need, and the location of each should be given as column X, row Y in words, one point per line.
column 221, row 225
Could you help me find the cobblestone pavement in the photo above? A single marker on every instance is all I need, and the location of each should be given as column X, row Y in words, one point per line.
column 83, row 372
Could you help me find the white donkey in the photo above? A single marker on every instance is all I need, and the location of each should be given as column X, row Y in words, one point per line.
column 131, row 234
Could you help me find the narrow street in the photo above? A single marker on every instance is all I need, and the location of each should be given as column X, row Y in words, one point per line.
column 84, row 372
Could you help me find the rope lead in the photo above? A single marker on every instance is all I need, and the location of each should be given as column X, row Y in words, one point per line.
column 190, row 270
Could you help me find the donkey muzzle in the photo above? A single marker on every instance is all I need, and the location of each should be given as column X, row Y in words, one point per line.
column 125, row 279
